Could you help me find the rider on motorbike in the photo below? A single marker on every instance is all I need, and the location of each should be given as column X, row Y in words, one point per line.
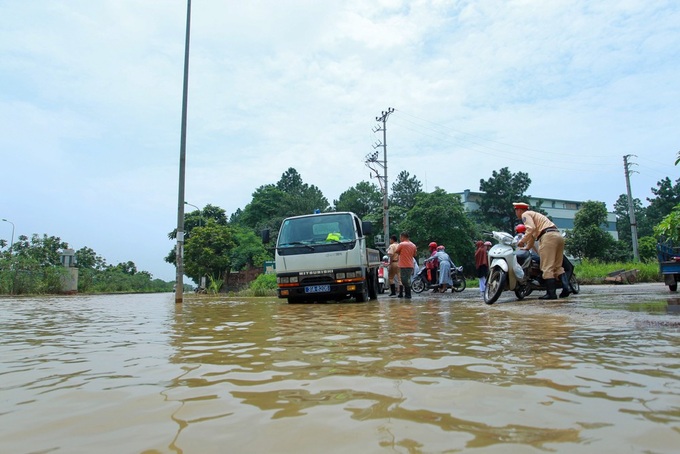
column 432, row 265
column 445, row 264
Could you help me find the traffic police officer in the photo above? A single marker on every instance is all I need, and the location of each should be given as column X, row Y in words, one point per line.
column 550, row 248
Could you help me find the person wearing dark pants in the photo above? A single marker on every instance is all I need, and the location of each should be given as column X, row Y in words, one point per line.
column 407, row 252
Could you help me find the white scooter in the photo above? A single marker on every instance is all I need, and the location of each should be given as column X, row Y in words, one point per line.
column 383, row 273
column 505, row 273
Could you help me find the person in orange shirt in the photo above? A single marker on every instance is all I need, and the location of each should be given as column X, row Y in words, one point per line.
column 550, row 248
column 407, row 253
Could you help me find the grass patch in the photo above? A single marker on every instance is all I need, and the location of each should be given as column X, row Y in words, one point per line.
column 594, row 272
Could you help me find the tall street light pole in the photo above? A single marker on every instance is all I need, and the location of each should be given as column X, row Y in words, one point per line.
column 12, row 243
column 179, row 284
column 200, row 215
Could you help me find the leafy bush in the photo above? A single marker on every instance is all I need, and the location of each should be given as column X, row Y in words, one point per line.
column 264, row 285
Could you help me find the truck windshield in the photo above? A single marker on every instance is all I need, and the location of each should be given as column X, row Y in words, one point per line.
column 318, row 229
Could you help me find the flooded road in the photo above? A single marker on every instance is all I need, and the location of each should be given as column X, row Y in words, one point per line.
column 441, row 373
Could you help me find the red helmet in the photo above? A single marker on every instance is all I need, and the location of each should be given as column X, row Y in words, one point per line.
column 433, row 245
column 521, row 228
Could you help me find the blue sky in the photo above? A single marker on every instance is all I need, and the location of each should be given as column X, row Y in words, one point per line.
column 90, row 104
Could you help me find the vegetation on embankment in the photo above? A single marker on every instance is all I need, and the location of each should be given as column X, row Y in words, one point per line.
column 595, row 272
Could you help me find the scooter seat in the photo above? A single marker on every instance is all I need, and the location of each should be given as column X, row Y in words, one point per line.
column 522, row 256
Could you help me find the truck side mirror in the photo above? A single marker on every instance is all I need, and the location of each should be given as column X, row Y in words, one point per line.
column 367, row 227
column 265, row 236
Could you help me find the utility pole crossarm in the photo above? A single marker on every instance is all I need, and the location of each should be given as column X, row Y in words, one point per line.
column 386, row 213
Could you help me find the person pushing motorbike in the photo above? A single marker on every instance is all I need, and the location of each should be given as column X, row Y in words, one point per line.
column 550, row 248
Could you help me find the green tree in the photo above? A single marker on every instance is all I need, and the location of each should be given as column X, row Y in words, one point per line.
column 647, row 248
column 271, row 204
column 301, row 197
column 666, row 197
column 623, row 219
column 209, row 252
column 216, row 250
column 39, row 251
column 669, row 227
column 364, row 199
column 128, row 267
column 499, row 193
column 87, row 258
column 249, row 251
column 589, row 238
column 209, row 215
column 268, row 206
column 199, row 218
column 441, row 217
column 405, row 190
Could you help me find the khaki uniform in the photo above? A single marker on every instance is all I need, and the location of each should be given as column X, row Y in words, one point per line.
column 550, row 243
column 393, row 269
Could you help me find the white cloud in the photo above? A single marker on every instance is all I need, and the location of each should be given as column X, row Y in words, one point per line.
column 91, row 95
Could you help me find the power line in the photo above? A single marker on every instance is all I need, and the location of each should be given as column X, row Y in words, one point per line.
column 489, row 140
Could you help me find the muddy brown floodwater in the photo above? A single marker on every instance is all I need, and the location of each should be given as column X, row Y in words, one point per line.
column 599, row 373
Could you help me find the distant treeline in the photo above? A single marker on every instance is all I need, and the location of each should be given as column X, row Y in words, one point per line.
column 33, row 266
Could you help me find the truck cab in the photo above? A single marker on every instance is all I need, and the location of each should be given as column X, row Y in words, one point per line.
column 324, row 256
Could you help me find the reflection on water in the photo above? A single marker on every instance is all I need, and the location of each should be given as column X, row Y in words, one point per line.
column 139, row 374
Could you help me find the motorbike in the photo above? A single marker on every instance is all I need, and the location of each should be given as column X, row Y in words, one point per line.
column 383, row 274
column 531, row 263
column 517, row 270
column 420, row 282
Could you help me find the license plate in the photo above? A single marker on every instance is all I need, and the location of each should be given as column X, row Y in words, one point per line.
column 317, row 288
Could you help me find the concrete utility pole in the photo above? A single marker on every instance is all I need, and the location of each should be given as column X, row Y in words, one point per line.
column 179, row 252
column 386, row 209
column 631, row 207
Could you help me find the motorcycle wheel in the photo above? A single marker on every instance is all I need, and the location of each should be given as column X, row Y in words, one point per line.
column 418, row 285
column 461, row 285
column 522, row 291
column 573, row 283
column 494, row 285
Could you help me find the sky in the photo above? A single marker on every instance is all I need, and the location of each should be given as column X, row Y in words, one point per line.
column 91, row 100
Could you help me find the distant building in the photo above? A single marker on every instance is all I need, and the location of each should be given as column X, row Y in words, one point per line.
column 69, row 281
column 562, row 212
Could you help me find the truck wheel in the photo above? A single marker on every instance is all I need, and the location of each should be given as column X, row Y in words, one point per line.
column 673, row 287
column 362, row 296
column 373, row 284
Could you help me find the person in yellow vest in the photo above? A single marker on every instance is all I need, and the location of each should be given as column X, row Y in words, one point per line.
column 550, row 248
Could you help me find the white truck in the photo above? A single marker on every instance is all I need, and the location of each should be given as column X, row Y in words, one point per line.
column 322, row 257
